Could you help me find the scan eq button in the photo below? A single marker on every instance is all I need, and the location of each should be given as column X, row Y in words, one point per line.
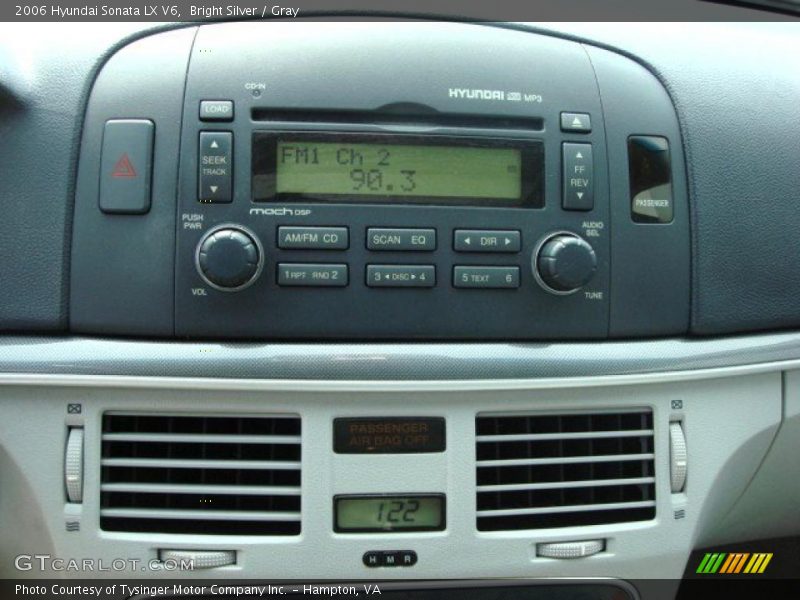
column 388, row 435
column 401, row 239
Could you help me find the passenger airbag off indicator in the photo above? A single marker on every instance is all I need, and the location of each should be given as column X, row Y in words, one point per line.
column 388, row 435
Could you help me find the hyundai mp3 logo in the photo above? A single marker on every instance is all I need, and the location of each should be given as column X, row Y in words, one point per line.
column 473, row 94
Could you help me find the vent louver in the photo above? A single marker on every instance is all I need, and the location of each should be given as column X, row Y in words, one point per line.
column 539, row 471
column 200, row 474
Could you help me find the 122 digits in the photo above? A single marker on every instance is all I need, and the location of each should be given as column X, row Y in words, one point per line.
column 398, row 511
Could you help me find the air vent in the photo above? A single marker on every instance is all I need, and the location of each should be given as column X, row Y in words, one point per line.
column 201, row 474
column 538, row 471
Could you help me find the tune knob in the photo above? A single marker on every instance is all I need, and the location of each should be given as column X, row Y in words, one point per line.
column 229, row 258
column 564, row 263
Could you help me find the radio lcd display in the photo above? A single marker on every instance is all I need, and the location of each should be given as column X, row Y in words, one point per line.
column 397, row 170
column 356, row 168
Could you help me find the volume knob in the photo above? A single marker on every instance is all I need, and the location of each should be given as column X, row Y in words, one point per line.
column 229, row 258
column 564, row 263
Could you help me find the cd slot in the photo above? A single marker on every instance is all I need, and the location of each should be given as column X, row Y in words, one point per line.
column 400, row 119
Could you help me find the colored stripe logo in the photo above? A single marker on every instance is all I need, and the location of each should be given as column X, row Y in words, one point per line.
column 734, row 562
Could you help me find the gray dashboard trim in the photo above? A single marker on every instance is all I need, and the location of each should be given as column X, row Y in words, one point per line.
column 397, row 386
column 38, row 356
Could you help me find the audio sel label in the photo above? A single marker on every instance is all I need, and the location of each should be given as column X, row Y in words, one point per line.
column 388, row 435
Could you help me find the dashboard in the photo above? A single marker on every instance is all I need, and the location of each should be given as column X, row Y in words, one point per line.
column 400, row 299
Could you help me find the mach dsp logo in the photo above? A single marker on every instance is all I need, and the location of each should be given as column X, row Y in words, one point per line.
column 732, row 563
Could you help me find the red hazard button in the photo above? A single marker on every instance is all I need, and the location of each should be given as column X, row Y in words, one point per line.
column 126, row 165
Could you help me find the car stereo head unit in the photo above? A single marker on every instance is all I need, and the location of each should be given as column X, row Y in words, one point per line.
column 389, row 205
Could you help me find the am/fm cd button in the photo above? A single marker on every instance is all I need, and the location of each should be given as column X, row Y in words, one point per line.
column 313, row 238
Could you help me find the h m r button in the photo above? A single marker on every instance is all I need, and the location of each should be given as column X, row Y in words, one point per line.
column 373, row 559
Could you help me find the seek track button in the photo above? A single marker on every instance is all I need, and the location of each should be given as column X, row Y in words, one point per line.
column 216, row 167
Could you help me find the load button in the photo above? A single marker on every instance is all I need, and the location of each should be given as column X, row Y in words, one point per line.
column 216, row 110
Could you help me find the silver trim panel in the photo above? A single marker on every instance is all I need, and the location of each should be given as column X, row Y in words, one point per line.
column 205, row 515
column 177, row 463
column 391, row 362
column 545, row 510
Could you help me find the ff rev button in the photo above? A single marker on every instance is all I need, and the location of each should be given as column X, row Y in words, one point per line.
column 125, row 166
